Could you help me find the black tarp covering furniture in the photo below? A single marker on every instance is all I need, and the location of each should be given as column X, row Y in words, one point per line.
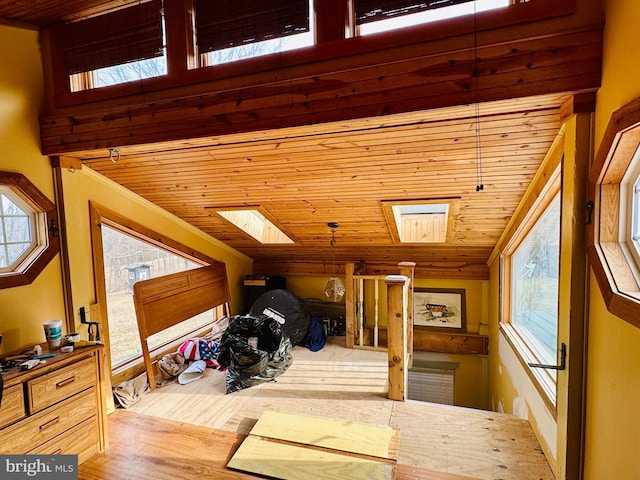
column 287, row 309
column 254, row 350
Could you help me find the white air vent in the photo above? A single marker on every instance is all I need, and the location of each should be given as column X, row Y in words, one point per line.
column 432, row 382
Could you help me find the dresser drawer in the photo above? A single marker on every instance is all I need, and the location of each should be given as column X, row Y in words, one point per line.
column 81, row 440
column 12, row 408
column 60, row 384
column 30, row 432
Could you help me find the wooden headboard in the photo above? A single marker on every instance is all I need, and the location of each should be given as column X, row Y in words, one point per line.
column 166, row 301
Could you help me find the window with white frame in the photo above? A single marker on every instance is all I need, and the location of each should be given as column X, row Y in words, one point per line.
column 615, row 181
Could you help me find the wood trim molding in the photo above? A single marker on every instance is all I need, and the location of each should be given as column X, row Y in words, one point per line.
column 21, row 185
column 536, row 198
column 98, row 216
column 462, row 343
column 612, row 269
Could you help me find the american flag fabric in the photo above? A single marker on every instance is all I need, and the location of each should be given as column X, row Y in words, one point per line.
column 201, row 349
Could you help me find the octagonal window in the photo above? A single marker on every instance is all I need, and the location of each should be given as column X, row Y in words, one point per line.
column 28, row 230
column 614, row 248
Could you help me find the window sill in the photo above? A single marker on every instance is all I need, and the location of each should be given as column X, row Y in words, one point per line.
column 134, row 366
column 544, row 380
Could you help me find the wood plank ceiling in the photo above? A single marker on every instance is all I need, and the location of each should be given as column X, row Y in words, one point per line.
column 326, row 163
column 307, row 176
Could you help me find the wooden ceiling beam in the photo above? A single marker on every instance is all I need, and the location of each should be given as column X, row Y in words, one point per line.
column 563, row 62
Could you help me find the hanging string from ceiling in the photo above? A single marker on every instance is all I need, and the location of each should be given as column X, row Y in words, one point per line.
column 476, row 87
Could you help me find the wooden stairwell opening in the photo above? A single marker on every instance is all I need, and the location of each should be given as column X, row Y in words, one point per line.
column 379, row 317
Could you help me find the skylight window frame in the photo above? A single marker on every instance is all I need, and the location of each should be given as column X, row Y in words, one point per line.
column 268, row 218
column 452, row 208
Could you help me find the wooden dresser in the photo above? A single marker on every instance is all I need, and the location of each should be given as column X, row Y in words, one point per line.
column 56, row 407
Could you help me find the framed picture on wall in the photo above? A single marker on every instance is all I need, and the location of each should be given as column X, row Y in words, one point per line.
column 440, row 308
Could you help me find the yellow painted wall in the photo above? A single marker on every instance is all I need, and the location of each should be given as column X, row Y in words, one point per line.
column 308, row 286
column 613, row 386
column 23, row 309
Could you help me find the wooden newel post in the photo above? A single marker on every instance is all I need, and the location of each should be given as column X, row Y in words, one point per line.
column 407, row 269
column 397, row 298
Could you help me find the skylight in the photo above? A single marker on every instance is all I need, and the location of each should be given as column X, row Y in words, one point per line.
column 254, row 223
column 429, row 221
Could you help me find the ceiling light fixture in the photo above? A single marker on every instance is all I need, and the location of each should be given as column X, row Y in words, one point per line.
column 334, row 289
column 476, row 75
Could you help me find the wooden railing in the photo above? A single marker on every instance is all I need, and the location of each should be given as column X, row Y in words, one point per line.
column 397, row 299
column 362, row 337
column 398, row 338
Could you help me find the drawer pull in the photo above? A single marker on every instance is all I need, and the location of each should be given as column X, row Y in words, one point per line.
column 64, row 383
column 50, row 423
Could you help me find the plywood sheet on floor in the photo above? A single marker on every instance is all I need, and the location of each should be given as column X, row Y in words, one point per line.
column 295, row 462
column 468, row 442
column 359, row 438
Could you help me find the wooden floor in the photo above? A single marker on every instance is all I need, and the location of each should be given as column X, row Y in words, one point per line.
column 195, row 428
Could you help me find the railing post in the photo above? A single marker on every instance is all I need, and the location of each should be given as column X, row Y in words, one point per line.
column 350, row 311
column 397, row 297
column 407, row 269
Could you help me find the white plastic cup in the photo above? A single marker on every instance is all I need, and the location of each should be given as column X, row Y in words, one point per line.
column 53, row 333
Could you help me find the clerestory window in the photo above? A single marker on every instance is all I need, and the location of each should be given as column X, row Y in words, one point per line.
column 227, row 31
column 118, row 47
column 373, row 16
